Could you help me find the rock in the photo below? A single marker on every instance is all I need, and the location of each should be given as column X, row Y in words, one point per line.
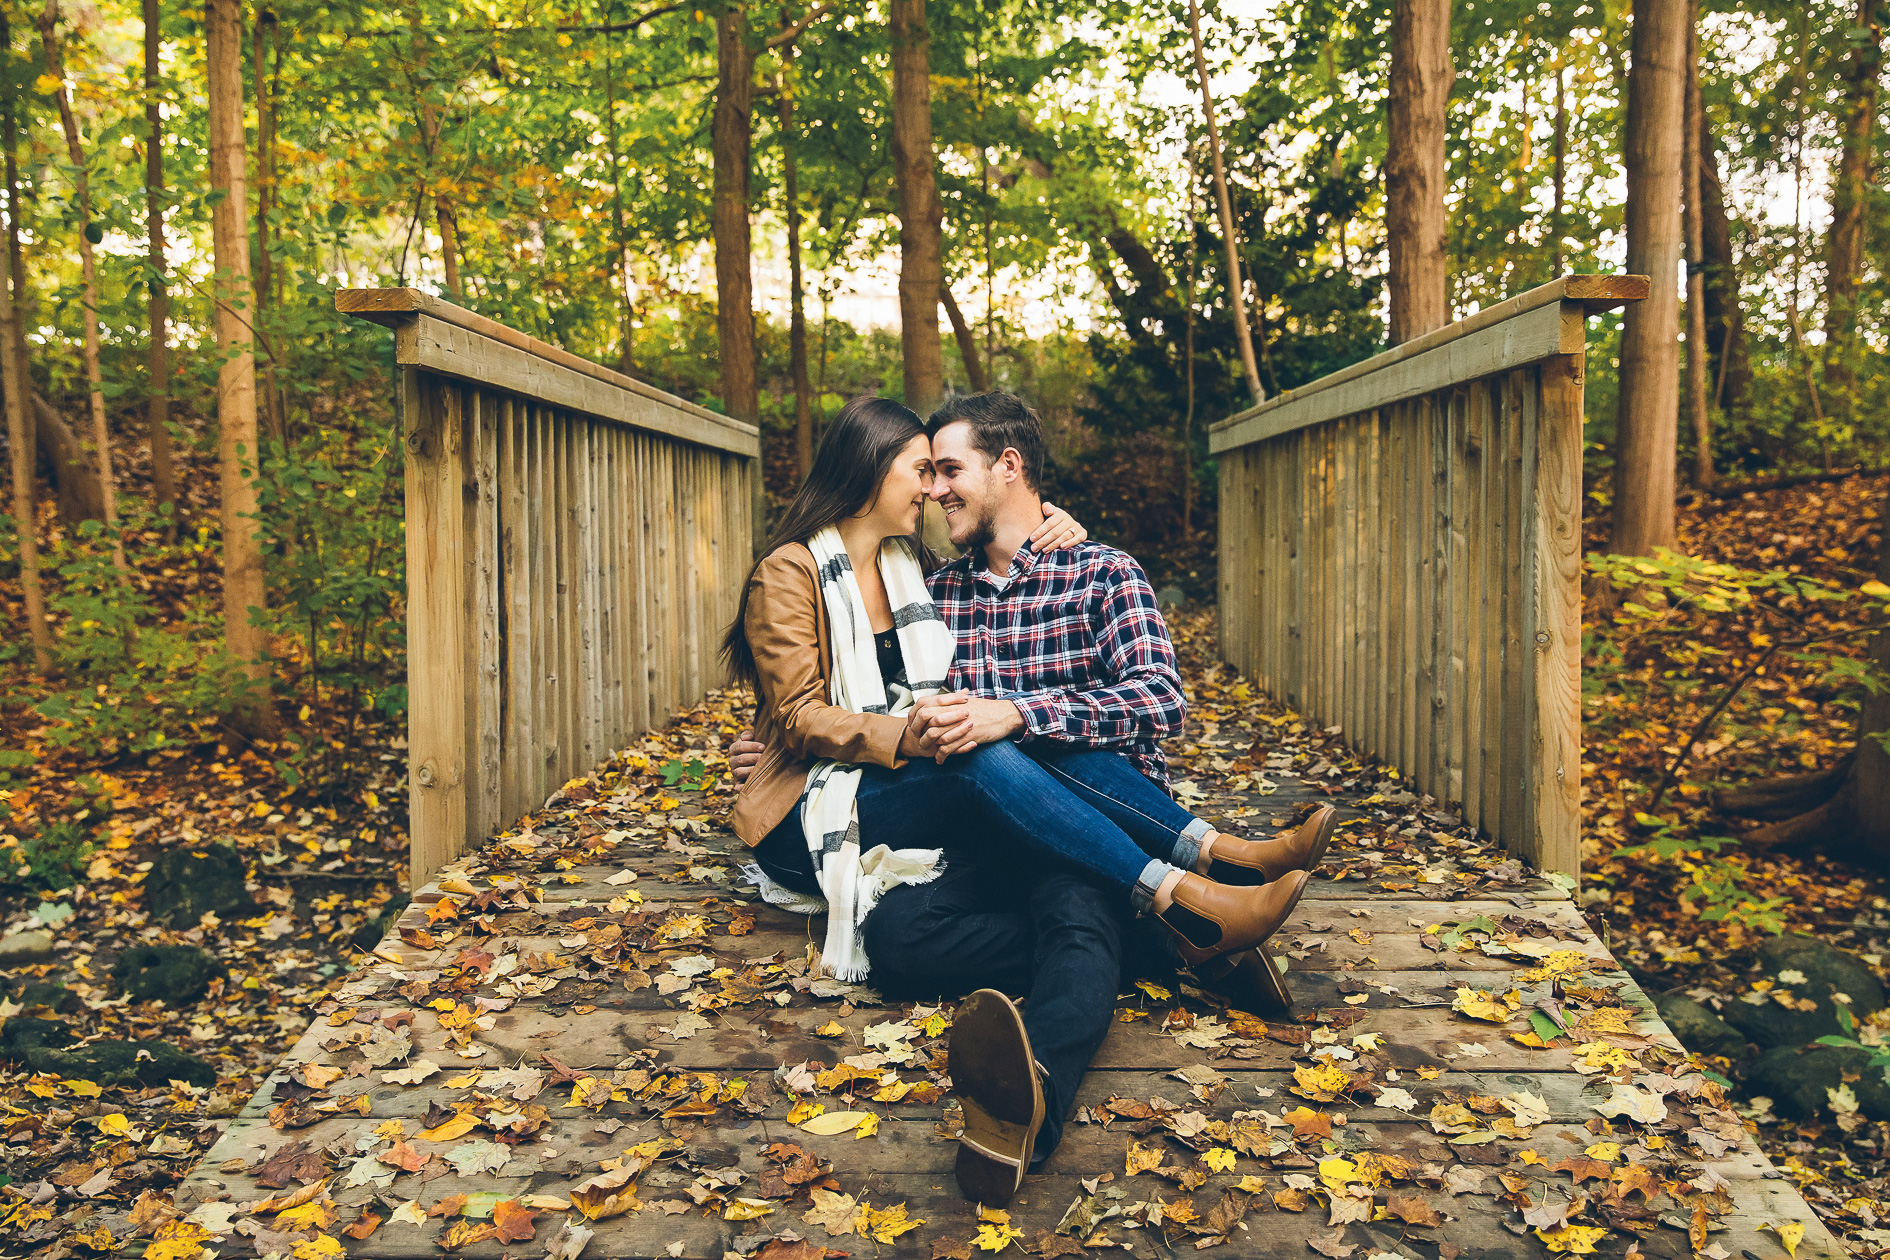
column 1698, row 1028
column 42, row 1045
column 25, row 947
column 370, row 934
column 175, row 975
column 1825, row 971
column 1797, row 1079
column 1171, row 597
column 57, row 997
column 185, row 884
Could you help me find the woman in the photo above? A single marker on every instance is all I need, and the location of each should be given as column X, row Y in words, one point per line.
column 838, row 636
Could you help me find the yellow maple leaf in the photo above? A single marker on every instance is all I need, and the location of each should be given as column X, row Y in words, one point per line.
column 804, row 1111
column 1338, row 1173
column 315, row 1214
column 1573, row 1239
column 1154, row 990
column 321, row 1247
column 995, row 1237
column 1220, row 1159
column 886, row 1224
column 1790, row 1234
column 868, row 1127
column 1493, row 1007
column 746, row 1209
column 832, row 1028
column 934, row 1024
column 1322, row 1083
column 1608, row 1019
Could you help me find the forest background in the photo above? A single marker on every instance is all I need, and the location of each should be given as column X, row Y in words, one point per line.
column 205, row 619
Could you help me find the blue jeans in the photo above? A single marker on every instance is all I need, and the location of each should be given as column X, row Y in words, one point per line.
column 1111, row 783
column 996, row 804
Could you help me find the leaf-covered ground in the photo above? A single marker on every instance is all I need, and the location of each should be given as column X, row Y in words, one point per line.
column 81, row 1160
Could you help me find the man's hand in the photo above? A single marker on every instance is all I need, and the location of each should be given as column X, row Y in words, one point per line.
column 743, row 756
column 967, row 722
column 945, row 707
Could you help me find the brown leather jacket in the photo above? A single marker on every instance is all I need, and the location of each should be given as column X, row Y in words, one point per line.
column 794, row 723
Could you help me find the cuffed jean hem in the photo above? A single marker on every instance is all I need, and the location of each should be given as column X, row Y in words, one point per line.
column 1142, row 896
column 1188, row 844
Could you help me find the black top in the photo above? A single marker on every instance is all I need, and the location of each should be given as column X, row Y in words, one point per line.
column 892, row 662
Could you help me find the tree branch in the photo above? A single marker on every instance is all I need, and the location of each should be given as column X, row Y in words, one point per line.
column 789, row 34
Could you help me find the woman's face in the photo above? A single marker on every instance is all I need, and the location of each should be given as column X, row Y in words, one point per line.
column 902, row 492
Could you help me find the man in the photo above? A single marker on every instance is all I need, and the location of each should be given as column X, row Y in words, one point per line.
column 1067, row 653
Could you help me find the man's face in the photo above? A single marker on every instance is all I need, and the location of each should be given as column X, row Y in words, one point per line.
column 966, row 485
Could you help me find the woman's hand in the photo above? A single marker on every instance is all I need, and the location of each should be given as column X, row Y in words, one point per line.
column 946, row 708
column 743, row 755
column 1059, row 529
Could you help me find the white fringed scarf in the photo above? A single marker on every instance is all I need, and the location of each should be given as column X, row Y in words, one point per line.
column 854, row 882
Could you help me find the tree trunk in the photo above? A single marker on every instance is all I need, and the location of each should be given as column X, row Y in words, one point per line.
column 921, row 247
column 1559, row 173
column 158, row 417
column 449, row 243
column 1421, row 78
column 1236, row 288
column 243, row 578
column 967, row 341
column 25, row 517
column 797, row 308
column 734, row 287
column 1725, row 322
column 1648, row 420
column 1850, row 203
column 81, row 495
column 1697, row 409
column 88, row 270
column 269, row 395
column 626, row 357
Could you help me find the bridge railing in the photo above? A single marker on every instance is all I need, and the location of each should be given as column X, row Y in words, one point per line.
column 1400, row 556
column 576, row 542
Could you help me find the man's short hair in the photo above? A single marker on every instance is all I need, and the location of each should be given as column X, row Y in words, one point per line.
column 997, row 420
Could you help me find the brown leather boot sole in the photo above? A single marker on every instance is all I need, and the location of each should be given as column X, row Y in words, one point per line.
column 1250, row 862
column 994, row 1075
column 1250, row 981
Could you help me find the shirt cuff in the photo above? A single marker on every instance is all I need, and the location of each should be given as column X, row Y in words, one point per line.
column 1043, row 713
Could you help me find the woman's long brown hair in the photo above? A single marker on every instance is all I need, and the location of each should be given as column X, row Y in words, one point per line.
column 855, row 454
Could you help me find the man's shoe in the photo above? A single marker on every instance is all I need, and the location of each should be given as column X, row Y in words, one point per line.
column 994, row 1075
column 1250, row 862
column 1210, row 920
column 1249, row 981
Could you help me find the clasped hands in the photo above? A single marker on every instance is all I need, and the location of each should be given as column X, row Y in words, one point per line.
column 952, row 722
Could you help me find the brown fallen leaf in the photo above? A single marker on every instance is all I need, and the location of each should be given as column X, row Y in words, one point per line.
column 954, row 1249
column 513, row 1222
column 1049, row 1244
column 292, row 1162
column 451, row 1205
column 1413, row 1210
column 1332, row 1244
column 1309, row 1123
column 364, row 1225
column 1581, row 1168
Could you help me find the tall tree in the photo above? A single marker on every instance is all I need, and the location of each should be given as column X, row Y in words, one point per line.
column 1725, row 320
column 16, row 392
column 1421, row 78
column 1697, row 408
column 797, row 304
column 263, row 287
column 158, row 416
column 1647, row 424
column 1236, row 287
column 243, row 585
column 731, row 137
column 90, row 233
column 1850, row 195
column 966, row 339
column 921, row 240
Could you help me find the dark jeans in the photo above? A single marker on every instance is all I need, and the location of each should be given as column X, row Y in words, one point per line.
column 1012, row 912
column 1085, row 810
column 1052, row 935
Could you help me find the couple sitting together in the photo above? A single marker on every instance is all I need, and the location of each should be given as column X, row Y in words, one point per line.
column 960, row 764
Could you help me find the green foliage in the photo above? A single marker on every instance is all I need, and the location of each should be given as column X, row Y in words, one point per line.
column 128, row 683
column 1716, row 885
column 51, row 860
column 690, row 776
column 1879, row 1054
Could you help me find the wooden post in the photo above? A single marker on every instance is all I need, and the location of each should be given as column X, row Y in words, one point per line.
column 436, row 625
column 1551, row 840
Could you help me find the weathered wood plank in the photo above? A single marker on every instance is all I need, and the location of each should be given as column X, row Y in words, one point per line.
column 436, row 605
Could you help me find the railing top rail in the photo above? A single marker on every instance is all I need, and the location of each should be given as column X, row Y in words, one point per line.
column 394, row 307
column 1296, row 407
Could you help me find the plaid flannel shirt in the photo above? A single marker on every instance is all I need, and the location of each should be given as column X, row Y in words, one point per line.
column 1076, row 641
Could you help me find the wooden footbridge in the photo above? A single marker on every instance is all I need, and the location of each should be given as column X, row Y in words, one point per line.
column 587, row 1036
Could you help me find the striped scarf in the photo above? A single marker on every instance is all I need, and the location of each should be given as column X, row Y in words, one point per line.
column 853, row 882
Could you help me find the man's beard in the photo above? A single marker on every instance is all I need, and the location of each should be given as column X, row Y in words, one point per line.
column 983, row 530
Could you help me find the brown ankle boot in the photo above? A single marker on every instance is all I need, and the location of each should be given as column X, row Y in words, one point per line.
column 1210, row 919
column 1249, row 862
column 998, row 1083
